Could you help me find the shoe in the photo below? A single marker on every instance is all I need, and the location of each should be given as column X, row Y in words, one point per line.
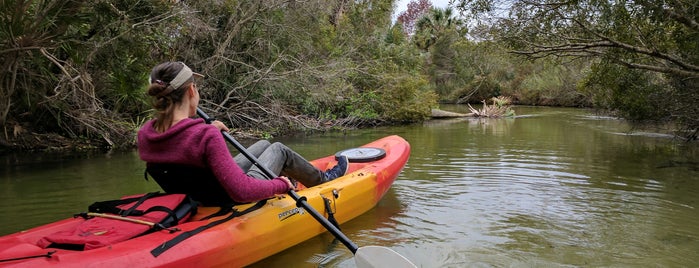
column 338, row 170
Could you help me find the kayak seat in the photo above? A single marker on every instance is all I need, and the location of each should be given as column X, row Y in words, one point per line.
column 199, row 183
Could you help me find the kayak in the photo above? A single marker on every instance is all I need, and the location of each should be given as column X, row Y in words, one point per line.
column 270, row 228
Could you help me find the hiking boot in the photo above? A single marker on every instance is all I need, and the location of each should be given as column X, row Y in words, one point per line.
column 338, row 170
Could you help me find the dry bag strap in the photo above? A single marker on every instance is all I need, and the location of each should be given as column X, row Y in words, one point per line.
column 183, row 236
column 140, row 201
column 112, row 205
column 47, row 255
column 170, row 213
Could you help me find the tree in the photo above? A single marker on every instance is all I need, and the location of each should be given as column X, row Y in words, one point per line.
column 74, row 66
column 436, row 24
column 659, row 36
column 408, row 18
column 651, row 36
column 78, row 68
column 29, row 35
column 436, row 32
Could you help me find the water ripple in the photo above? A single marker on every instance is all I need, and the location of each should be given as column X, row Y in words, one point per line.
column 536, row 207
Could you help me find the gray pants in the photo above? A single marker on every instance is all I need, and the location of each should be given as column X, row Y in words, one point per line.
column 281, row 160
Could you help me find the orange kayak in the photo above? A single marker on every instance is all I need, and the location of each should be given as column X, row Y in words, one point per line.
column 277, row 225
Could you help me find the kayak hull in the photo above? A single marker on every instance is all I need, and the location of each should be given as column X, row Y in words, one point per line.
column 241, row 241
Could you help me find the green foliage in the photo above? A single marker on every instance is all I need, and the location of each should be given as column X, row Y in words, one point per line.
column 550, row 83
column 478, row 88
column 483, row 70
column 479, row 71
column 363, row 106
column 438, row 33
column 29, row 31
column 80, row 64
column 409, row 99
column 80, row 67
column 635, row 94
column 437, row 24
column 395, row 35
column 652, row 43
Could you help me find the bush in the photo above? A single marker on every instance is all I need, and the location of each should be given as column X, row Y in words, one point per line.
column 634, row 94
column 409, row 99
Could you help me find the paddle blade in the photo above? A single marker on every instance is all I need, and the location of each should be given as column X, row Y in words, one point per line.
column 375, row 256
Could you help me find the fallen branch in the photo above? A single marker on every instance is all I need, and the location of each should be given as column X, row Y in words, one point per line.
column 500, row 108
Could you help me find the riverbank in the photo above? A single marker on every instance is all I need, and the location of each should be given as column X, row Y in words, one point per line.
column 30, row 140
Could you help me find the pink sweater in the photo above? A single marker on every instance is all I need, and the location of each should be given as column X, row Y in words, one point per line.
column 192, row 142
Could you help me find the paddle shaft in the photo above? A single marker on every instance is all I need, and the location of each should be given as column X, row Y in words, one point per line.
column 300, row 201
column 115, row 217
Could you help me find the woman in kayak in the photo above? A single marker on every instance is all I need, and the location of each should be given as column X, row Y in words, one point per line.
column 182, row 153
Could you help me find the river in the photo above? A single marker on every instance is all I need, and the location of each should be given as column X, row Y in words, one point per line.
column 553, row 187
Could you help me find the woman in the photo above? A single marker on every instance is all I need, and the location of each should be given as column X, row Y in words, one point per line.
column 190, row 156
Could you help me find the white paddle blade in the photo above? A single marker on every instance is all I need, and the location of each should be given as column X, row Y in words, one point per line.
column 375, row 257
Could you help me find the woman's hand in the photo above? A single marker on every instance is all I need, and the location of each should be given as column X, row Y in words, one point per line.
column 288, row 182
column 220, row 125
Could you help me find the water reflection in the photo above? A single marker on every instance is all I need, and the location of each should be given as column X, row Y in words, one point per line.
column 36, row 189
column 551, row 188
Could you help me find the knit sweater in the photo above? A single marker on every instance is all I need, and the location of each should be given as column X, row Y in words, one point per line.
column 192, row 142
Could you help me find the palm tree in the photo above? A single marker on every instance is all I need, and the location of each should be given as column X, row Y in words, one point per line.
column 435, row 25
column 435, row 33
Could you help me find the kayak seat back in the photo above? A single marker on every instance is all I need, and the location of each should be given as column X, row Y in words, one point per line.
column 198, row 183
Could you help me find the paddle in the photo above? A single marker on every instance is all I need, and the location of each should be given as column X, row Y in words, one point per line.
column 116, row 217
column 370, row 256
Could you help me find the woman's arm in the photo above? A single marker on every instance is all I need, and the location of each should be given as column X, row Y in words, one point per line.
column 239, row 186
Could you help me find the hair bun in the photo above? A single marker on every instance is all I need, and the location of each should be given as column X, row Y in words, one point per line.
column 156, row 89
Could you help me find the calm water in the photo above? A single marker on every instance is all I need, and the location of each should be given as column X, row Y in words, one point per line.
column 551, row 188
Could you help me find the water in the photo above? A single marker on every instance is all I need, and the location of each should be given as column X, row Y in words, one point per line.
column 552, row 188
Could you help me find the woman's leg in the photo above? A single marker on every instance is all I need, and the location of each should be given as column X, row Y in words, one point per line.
column 281, row 160
column 256, row 150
